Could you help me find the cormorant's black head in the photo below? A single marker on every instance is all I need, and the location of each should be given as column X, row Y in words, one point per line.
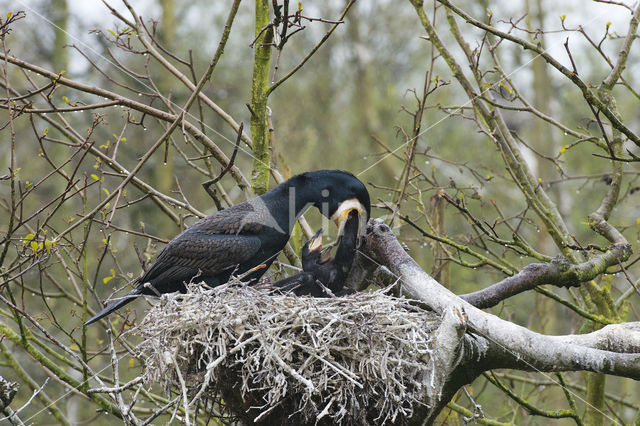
column 335, row 193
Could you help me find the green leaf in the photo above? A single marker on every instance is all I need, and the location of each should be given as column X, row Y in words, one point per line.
column 27, row 238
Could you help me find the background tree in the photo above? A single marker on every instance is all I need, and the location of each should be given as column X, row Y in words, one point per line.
column 492, row 137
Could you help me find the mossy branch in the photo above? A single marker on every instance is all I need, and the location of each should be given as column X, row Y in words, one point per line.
column 259, row 96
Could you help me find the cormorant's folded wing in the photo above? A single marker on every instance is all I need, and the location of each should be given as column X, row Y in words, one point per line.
column 182, row 258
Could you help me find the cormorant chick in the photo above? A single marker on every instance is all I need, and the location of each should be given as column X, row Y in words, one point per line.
column 317, row 268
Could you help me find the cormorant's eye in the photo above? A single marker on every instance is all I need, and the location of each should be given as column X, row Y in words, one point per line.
column 325, row 192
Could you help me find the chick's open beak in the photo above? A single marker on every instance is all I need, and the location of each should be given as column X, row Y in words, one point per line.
column 342, row 213
column 316, row 241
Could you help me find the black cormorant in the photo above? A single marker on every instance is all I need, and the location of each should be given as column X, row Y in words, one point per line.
column 317, row 268
column 249, row 234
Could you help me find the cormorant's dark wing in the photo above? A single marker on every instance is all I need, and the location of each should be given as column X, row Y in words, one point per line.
column 213, row 245
column 182, row 259
column 249, row 218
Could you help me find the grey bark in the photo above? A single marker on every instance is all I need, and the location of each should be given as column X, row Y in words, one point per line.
column 471, row 341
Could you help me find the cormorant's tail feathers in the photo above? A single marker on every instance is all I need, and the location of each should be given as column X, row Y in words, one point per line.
column 115, row 305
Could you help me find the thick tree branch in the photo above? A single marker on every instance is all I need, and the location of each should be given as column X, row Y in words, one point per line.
column 623, row 53
column 491, row 342
column 259, row 97
column 559, row 272
column 499, row 343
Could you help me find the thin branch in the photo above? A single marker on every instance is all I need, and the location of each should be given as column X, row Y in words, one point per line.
column 275, row 85
column 584, row 88
column 224, row 171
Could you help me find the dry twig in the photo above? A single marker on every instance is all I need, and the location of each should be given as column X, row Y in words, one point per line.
column 352, row 360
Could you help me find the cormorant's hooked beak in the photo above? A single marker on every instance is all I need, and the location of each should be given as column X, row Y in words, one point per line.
column 342, row 213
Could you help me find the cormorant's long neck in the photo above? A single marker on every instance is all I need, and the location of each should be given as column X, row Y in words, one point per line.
column 288, row 201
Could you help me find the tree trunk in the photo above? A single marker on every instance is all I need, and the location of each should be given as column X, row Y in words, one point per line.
column 259, row 96
column 471, row 341
column 59, row 17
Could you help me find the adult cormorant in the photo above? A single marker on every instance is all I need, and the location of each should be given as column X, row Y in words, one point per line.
column 249, row 234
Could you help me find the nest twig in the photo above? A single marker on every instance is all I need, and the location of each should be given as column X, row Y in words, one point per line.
column 283, row 359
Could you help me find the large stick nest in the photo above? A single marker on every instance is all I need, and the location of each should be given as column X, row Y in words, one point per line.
column 281, row 359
